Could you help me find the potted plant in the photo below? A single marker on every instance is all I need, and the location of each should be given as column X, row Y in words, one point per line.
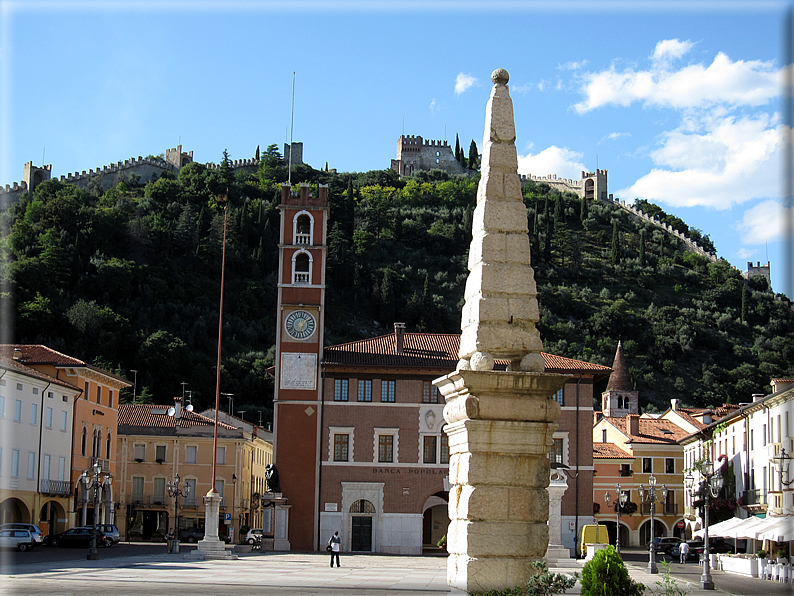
column 762, row 562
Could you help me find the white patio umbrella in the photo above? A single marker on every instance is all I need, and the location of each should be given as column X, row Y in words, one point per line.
column 780, row 529
column 745, row 529
column 719, row 529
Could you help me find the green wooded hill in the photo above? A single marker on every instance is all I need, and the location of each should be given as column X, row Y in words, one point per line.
column 129, row 279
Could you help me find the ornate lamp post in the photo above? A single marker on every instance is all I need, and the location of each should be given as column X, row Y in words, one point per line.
column 93, row 478
column 713, row 481
column 781, row 462
column 619, row 501
column 175, row 492
column 649, row 495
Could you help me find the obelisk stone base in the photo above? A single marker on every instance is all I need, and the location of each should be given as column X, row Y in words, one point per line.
column 500, row 427
column 211, row 547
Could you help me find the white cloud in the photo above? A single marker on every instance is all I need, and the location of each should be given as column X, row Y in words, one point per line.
column 763, row 223
column 726, row 161
column 723, row 82
column 668, row 50
column 613, row 136
column 573, row 65
column 463, row 82
column 433, row 106
column 744, row 253
column 553, row 160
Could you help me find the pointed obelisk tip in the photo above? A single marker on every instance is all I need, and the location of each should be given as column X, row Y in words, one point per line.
column 500, row 76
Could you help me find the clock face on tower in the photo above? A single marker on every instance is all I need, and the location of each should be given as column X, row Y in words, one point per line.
column 300, row 324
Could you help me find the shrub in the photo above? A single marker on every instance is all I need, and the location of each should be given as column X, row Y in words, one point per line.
column 606, row 575
column 542, row 583
column 761, row 554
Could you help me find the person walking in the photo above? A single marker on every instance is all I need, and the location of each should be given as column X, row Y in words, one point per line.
column 336, row 545
column 683, row 549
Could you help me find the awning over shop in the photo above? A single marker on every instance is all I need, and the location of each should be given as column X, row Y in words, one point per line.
column 778, row 529
column 721, row 528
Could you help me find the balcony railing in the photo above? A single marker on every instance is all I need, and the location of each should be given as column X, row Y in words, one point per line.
column 103, row 463
column 55, row 487
column 150, row 500
column 188, row 501
column 303, row 238
column 626, row 472
column 754, row 497
column 301, row 277
column 661, row 509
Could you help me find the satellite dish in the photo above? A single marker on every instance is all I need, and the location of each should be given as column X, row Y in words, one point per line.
column 189, row 407
column 171, row 411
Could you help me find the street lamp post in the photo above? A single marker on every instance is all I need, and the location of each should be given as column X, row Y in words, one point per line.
column 620, row 500
column 95, row 479
column 714, row 481
column 175, row 492
column 649, row 495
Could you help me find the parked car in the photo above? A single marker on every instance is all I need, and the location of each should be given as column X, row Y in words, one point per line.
column 110, row 531
column 34, row 529
column 254, row 535
column 77, row 537
column 716, row 545
column 196, row 534
column 21, row 540
column 665, row 544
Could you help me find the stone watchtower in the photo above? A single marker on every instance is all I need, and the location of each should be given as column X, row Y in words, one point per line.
column 34, row 175
column 620, row 398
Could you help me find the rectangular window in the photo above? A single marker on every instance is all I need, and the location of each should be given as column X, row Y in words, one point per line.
column 159, row 490
column 603, row 435
column 340, row 389
column 48, row 418
column 558, row 397
column 386, row 449
column 99, row 394
column 137, row 488
column 87, row 392
column 140, row 452
column 625, row 470
column 2, row 406
column 387, row 390
column 647, row 465
column 34, row 414
column 18, row 410
column 444, row 448
column 219, row 487
column 190, row 488
column 45, row 474
column 64, row 416
column 752, row 434
column 430, row 394
column 61, row 469
column 555, row 453
column 159, row 453
column 19, row 386
column 31, row 465
column 15, row 463
column 341, row 447
column 669, row 465
column 220, row 455
column 365, row 390
column 110, row 398
column 762, row 444
column 190, row 454
column 429, row 450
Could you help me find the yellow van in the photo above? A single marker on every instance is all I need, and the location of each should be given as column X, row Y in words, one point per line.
column 590, row 534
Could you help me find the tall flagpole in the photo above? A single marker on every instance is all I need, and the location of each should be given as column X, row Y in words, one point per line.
column 291, row 123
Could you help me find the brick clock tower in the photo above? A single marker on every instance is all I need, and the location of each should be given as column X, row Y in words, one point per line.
column 299, row 343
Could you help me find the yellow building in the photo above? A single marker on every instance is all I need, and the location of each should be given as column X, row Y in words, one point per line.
column 155, row 444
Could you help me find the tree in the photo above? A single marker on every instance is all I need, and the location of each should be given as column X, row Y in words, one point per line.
column 583, row 211
column 474, row 158
column 257, row 153
column 614, row 255
column 457, row 148
column 642, row 248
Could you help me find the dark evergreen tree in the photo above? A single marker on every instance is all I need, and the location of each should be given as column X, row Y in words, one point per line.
column 474, row 157
column 614, row 255
column 457, row 148
column 257, row 153
column 583, row 209
column 642, row 248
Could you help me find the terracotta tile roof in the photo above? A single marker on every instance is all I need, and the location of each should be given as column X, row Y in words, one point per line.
column 33, row 354
column 690, row 418
column 717, row 413
column 429, row 350
column 13, row 365
column 154, row 416
column 650, row 430
column 776, row 380
column 609, row 451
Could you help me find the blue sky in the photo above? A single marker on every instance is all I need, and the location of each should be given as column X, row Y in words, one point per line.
column 679, row 101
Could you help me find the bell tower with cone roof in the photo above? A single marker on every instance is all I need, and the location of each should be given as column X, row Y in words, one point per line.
column 620, row 398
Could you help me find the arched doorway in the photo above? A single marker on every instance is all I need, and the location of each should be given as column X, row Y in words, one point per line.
column 659, row 530
column 435, row 514
column 14, row 511
column 624, row 533
column 52, row 518
column 361, row 514
column 680, row 532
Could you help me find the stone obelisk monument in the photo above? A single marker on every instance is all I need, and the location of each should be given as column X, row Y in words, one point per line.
column 500, row 423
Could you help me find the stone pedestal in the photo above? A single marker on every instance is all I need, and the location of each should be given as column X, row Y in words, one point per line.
column 500, row 427
column 556, row 489
column 211, row 547
column 279, row 520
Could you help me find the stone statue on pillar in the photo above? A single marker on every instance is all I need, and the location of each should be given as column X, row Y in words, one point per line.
column 500, row 423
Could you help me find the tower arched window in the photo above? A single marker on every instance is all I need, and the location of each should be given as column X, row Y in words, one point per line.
column 303, row 228
column 302, row 268
column 83, row 440
column 107, row 447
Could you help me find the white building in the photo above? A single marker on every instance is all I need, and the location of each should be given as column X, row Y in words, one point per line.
column 36, row 412
column 747, row 445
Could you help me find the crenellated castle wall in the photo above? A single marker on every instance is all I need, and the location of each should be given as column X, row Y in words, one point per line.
column 417, row 154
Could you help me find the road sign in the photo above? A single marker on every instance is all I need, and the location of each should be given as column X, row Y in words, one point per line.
column 680, row 524
column 227, row 517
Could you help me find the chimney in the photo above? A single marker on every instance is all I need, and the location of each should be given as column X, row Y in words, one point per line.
column 633, row 424
column 399, row 336
column 674, row 405
column 17, row 354
column 177, row 407
column 757, row 397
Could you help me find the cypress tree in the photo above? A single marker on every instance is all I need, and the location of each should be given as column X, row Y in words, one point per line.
column 583, row 211
column 257, row 153
column 559, row 210
column 614, row 256
column 744, row 303
column 642, row 248
column 473, row 155
column 457, row 148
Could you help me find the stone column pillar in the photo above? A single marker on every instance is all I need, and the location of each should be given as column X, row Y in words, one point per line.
column 211, row 547
column 556, row 490
column 500, row 427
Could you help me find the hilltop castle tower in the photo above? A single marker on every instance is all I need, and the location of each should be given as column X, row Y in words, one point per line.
column 415, row 154
column 620, row 398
